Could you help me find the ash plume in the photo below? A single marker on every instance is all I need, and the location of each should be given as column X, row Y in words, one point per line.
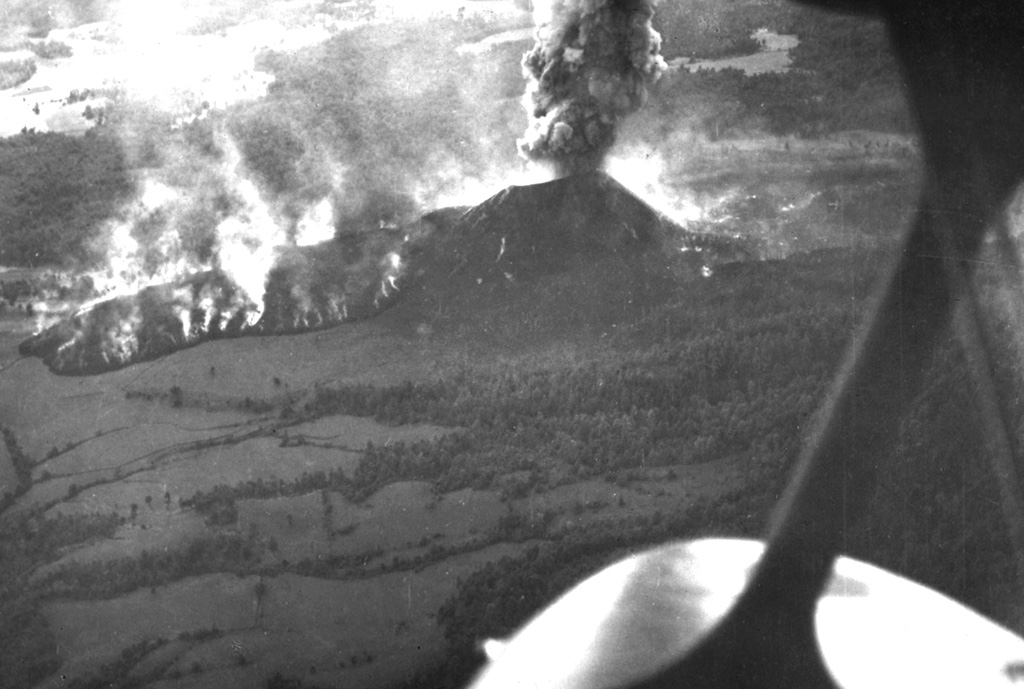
column 590, row 67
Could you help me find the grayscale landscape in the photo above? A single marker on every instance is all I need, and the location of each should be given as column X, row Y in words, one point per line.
column 312, row 376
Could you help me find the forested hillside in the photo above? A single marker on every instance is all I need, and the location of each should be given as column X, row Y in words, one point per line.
column 55, row 190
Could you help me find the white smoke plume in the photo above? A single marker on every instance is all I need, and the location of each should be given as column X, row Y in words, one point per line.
column 179, row 226
column 265, row 210
column 591, row 66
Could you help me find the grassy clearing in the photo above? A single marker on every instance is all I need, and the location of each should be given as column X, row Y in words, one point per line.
column 50, row 411
column 182, row 476
column 261, row 458
column 630, row 493
column 410, row 515
column 46, row 410
column 152, row 531
column 367, row 633
column 129, row 446
column 396, row 524
column 295, row 525
column 247, row 367
column 356, row 432
column 148, row 501
column 90, row 633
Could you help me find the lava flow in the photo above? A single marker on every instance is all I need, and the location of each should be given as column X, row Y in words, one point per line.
column 311, row 288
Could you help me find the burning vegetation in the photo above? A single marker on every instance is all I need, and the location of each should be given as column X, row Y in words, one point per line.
column 234, row 229
column 230, row 239
column 591, row 66
column 309, row 290
column 494, row 260
column 282, row 214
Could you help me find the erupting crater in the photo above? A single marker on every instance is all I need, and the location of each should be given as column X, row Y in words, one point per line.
column 546, row 263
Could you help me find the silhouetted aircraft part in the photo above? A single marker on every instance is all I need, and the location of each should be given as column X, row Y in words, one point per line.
column 963, row 61
column 959, row 59
column 1002, row 449
column 645, row 622
column 1006, row 463
column 875, row 629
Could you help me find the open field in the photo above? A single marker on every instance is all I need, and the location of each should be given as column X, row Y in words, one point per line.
column 152, row 530
column 372, row 632
column 405, row 518
column 157, row 520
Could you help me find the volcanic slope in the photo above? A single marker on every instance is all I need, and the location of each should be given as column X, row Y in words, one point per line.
column 538, row 270
column 566, row 259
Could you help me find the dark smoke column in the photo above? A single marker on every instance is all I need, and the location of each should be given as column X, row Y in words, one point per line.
column 590, row 67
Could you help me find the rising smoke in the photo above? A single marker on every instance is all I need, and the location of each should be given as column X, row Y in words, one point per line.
column 357, row 136
column 286, row 210
column 591, row 66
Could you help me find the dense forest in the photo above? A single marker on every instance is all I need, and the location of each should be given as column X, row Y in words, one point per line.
column 15, row 72
column 55, row 191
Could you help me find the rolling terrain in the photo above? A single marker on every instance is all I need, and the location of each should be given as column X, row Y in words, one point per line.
column 557, row 382
column 324, row 507
column 259, row 457
column 479, row 390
